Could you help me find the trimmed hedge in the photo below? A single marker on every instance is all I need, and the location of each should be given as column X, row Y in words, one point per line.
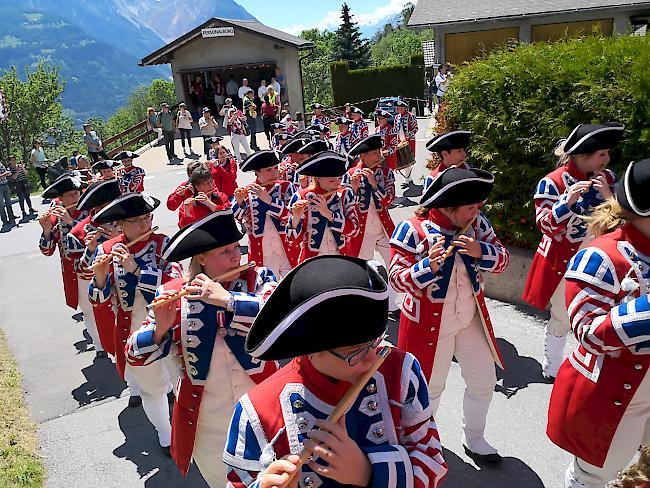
column 521, row 100
column 363, row 84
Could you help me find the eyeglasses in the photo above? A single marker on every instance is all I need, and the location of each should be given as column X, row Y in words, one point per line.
column 357, row 356
column 140, row 220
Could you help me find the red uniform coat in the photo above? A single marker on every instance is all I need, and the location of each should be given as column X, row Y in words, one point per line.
column 381, row 198
column 389, row 150
column 132, row 180
column 224, row 175
column 408, row 124
column 425, row 292
column 197, row 210
column 607, row 299
column 562, row 228
column 58, row 240
column 179, row 195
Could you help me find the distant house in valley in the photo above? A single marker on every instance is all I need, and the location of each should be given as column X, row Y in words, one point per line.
column 232, row 48
column 465, row 28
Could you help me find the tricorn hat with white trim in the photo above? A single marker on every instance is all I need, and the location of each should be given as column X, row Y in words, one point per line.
column 455, row 139
column 366, row 144
column 260, row 160
column 632, row 190
column 588, row 138
column 215, row 230
column 324, row 164
column 99, row 193
column 303, row 314
column 454, row 187
column 313, row 147
column 127, row 206
column 63, row 184
column 293, row 145
column 105, row 164
column 126, row 155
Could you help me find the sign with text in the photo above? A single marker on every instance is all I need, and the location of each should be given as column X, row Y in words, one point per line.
column 218, row 32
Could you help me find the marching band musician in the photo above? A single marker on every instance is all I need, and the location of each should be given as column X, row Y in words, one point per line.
column 319, row 117
column 312, row 147
column 443, row 311
column 374, row 189
column 358, row 128
column 406, row 124
column 387, row 438
column 600, row 405
column 292, row 159
column 324, row 215
column 215, row 143
column 184, row 190
column 276, row 138
column 216, row 368
column 81, row 241
column 131, row 177
column 388, row 135
column 105, row 169
column 342, row 143
column 125, row 284
column 451, row 149
column 205, row 198
column 56, row 222
column 580, row 183
column 261, row 208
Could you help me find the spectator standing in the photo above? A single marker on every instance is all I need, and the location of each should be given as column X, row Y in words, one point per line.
column 277, row 87
column 299, row 120
column 261, row 91
column 73, row 159
column 241, row 93
column 269, row 116
column 250, row 110
column 441, row 83
column 199, row 90
column 273, row 98
column 184, row 123
column 282, row 81
column 237, row 132
column 208, row 128
column 166, row 121
column 38, row 160
column 152, row 124
column 21, row 185
column 93, row 143
column 232, row 88
column 7, row 214
column 219, row 91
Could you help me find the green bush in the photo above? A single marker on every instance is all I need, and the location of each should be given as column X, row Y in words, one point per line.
column 370, row 83
column 521, row 100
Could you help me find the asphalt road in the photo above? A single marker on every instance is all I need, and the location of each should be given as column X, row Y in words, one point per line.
column 89, row 437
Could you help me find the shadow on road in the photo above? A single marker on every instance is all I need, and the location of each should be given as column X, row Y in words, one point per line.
column 512, row 472
column 84, row 344
column 102, row 382
column 520, row 372
column 142, row 449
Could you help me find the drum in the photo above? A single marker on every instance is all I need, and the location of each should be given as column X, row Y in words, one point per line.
column 404, row 156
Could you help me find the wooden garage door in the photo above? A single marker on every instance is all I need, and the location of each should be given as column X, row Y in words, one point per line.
column 464, row 46
column 554, row 32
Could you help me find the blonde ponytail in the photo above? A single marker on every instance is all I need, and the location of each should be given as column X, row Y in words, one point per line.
column 562, row 157
column 606, row 218
column 194, row 269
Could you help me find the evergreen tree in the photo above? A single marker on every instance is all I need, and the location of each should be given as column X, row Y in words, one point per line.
column 348, row 44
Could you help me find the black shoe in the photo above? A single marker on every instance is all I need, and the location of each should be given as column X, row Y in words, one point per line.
column 135, row 401
column 166, row 451
column 101, row 354
column 171, row 398
column 484, row 458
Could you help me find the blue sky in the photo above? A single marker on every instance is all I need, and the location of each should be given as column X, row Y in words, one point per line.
column 295, row 16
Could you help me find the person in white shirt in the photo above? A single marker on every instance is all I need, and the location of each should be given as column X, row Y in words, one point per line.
column 441, row 83
column 184, row 124
column 243, row 89
column 208, row 127
column 276, row 86
column 261, row 91
column 232, row 88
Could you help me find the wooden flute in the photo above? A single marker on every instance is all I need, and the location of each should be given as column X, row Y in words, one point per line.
column 327, row 194
column 50, row 210
column 450, row 248
column 106, row 257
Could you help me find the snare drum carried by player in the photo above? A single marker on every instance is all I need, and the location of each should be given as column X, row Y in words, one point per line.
column 404, row 156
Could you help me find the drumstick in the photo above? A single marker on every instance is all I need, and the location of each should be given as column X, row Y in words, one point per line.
column 451, row 247
column 346, row 402
column 102, row 260
column 184, row 291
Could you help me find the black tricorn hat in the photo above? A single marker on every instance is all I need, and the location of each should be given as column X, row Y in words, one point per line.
column 63, row 161
column 62, row 184
column 127, row 206
column 99, row 193
column 342, row 120
column 318, row 128
column 214, row 139
column 633, row 190
column 455, row 139
column 314, row 147
column 302, row 315
column 369, row 143
column 278, row 125
column 212, row 231
column 356, row 110
column 126, row 155
column 325, row 163
column 104, row 164
column 293, row 146
column 382, row 113
column 589, row 138
column 401, row 103
column 454, row 187
column 260, row 160
column 317, row 105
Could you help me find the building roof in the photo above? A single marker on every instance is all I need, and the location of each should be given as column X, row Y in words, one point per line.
column 161, row 56
column 442, row 12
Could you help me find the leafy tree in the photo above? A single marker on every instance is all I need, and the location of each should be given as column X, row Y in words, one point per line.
column 316, row 77
column 398, row 46
column 348, row 44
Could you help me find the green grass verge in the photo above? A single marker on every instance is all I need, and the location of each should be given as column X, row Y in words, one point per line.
column 20, row 462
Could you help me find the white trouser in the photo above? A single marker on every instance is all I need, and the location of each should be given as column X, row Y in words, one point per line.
column 632, row 431
column 236, row 140
column 558, row 325
column 375, row 239
column 89, row 316
column 468, row 343
column 159, row 131
column 328, row 245
column 275, row 257
column 225, row 384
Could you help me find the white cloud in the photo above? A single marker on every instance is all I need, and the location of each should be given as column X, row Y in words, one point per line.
column 332, row 18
